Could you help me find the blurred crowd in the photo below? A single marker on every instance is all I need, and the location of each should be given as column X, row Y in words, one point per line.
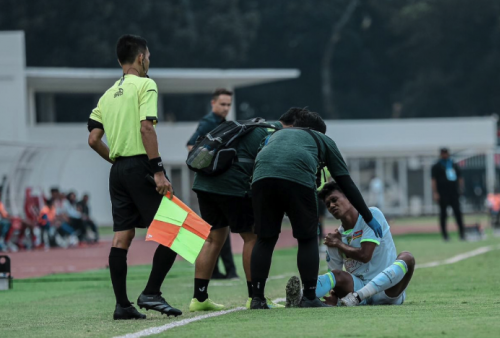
column 60, row 220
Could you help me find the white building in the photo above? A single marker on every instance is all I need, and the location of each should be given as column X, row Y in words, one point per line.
column 47, row 154
column 33, row 154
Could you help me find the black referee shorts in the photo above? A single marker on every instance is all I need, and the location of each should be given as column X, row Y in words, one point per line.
column 272, row 197
column 221, row 211
column 134, row 200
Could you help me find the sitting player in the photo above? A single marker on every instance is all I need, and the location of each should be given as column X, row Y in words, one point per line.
column 374, row 274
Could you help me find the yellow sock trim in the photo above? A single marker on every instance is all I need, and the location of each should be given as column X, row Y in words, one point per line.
column 401, row 265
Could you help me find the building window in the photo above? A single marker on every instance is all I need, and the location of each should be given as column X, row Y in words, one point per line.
column 64, row 108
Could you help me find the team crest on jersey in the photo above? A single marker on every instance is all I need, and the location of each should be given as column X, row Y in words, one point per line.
column 357, row 234
column 119, row 93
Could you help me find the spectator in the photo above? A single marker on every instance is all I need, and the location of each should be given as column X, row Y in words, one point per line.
column 83, row 207
column 493, row 204
column 66, row 232
column 46, row 222
column 447, row 185
column 75, row 216
column 5, row 224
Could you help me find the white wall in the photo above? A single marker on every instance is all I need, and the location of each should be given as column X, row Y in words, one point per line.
column 66, row 161
column 371, row 138
column 13, row 111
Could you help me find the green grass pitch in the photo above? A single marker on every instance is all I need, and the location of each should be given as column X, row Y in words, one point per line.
column 457, row 300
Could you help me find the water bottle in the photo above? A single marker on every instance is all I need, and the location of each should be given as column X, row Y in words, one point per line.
column 198, row 160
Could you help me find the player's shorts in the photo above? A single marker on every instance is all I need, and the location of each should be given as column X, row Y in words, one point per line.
column 222, row 211
column 380, row 298
column 134, row 200
column 273, row 197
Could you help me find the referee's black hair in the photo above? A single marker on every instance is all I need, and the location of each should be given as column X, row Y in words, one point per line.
column 310, row 119
column 328, row 189
column 128, row 47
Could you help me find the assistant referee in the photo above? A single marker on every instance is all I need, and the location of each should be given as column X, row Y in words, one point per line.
column 127, row 113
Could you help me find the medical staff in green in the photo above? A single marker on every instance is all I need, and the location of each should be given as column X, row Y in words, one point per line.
column 226, row 204
column 284, row 181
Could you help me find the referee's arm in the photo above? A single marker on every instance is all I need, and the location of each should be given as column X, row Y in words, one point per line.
column 96, row 130
column 149, row 117
column 95, row 142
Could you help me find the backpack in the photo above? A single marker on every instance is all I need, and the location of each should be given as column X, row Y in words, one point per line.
column 214, row 153
column 321, row 161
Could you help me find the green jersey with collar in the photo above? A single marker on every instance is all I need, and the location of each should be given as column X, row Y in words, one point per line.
column 383, row 256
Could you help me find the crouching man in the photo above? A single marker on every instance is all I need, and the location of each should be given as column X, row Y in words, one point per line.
column 374, row 274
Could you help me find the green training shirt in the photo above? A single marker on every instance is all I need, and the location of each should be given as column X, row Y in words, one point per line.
column 121, row 109
column 292, row 154
column 236, row 180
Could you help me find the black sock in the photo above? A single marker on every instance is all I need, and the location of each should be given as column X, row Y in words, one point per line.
column 118, row 271
column 249, row 288
column 262, row 255
column 258, row 287
column 200, row 289
column 162, row 262
column 308, row 264
column 309, row 288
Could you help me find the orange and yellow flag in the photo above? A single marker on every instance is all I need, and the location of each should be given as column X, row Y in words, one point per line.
column 178, row 227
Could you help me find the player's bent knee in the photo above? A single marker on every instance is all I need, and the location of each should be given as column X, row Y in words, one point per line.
column 408, row 258
column 342, row 278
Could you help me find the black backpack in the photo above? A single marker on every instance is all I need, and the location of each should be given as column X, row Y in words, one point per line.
column 321, row 161
column 214, row 153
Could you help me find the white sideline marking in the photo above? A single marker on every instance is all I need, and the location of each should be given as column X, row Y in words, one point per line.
column 459, row 257
column 159, row 329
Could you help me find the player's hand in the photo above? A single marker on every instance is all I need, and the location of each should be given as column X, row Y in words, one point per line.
column 333, row 239
column 436, row 196
column 163, row 186
column 375, row 225
column 331, row 299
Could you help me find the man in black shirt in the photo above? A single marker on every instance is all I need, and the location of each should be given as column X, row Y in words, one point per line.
column 447, row 184
column 221, row 104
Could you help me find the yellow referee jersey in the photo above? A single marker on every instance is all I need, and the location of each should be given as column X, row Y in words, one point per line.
column 121, row 109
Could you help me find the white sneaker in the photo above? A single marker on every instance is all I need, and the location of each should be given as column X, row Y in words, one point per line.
column 350, row 300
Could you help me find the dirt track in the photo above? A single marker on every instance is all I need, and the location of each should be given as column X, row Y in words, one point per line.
column 40, row 263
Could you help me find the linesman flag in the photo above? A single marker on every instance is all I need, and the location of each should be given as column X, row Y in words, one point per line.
column 179, row 228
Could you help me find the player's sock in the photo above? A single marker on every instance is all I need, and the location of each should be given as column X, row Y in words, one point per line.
column 308, row 263
column 384, row 280
column 162, row 262
column 259, row 285
column 249, row 288
column 200, row 289
column 118, row 271
column 309, row 289
column 262, row 255
column 325, row 283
